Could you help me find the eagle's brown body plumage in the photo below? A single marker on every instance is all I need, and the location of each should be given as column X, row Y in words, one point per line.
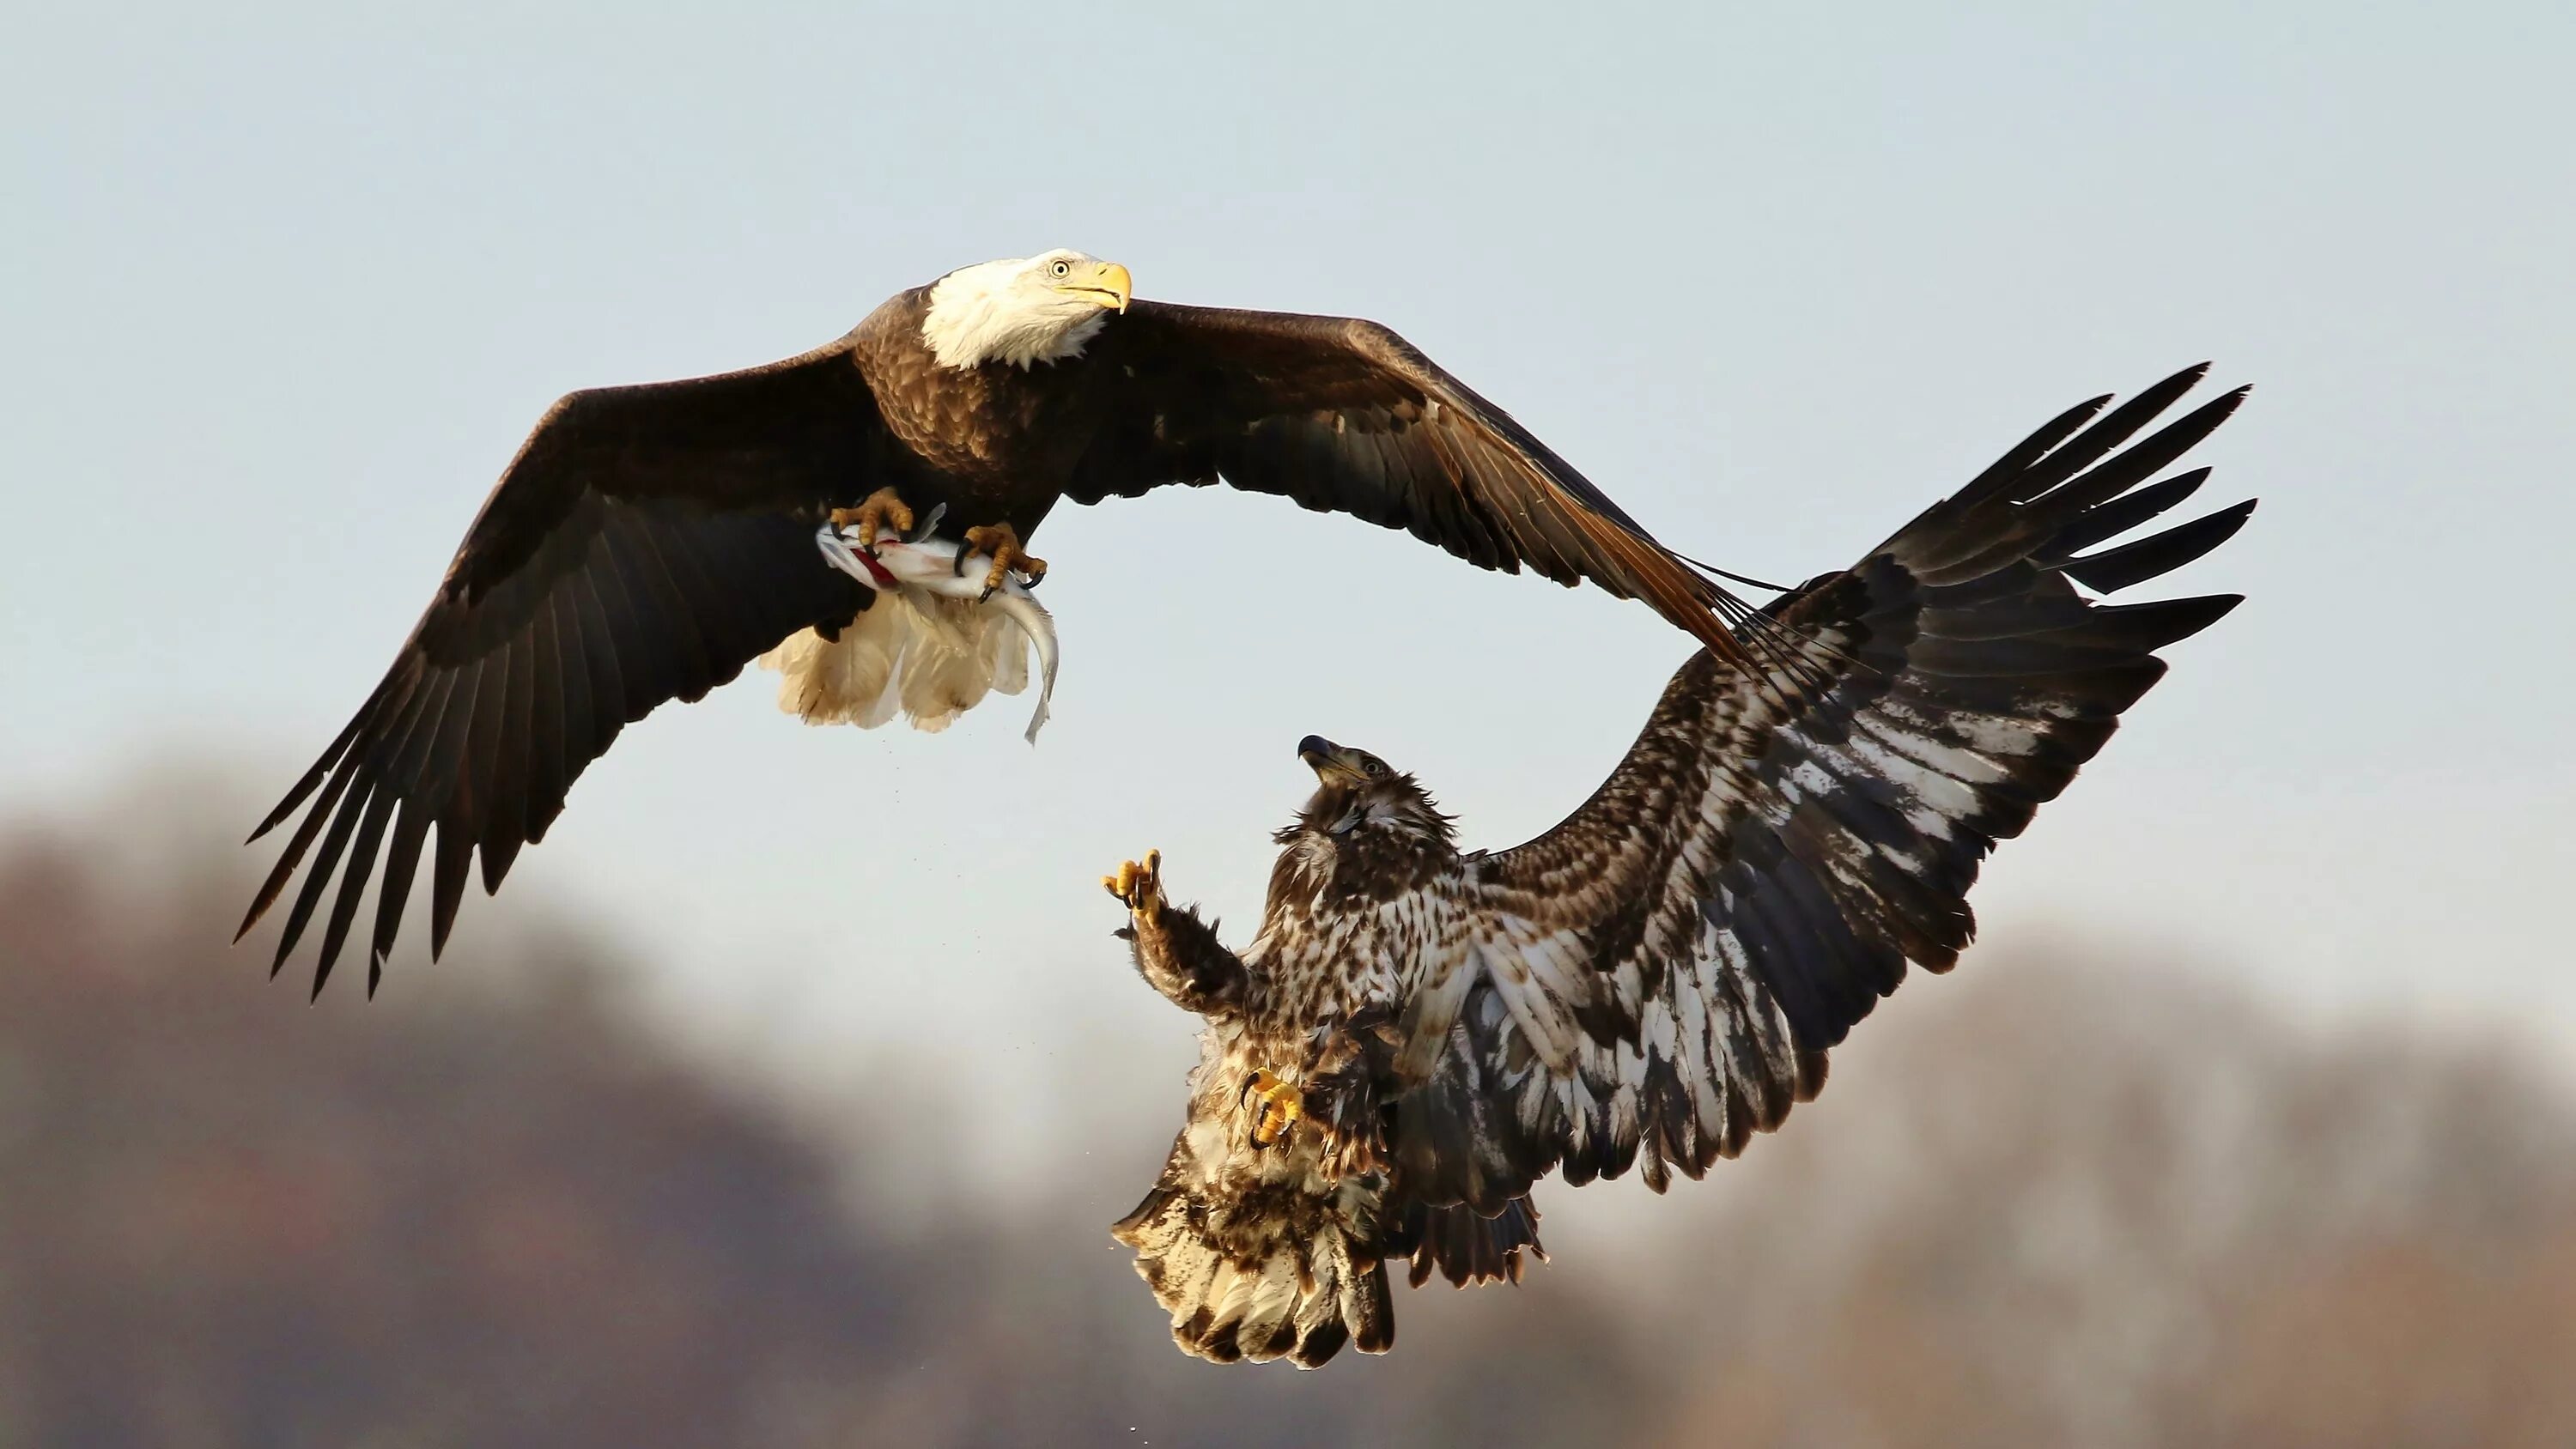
column 991, row 444
column 1659, row 977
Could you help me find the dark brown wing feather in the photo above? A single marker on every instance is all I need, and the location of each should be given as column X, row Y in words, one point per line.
column 1663, row 973
column 1344, row 415
column 646, row 543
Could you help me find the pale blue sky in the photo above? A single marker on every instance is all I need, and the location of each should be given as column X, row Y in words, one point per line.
column 283, row 290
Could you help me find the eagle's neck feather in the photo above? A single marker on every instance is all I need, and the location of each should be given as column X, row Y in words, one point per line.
column 980, row 314
column 1347, row 847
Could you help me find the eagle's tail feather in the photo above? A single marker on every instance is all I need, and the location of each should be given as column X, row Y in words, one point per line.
column 1262, row 1278
column 930, row 658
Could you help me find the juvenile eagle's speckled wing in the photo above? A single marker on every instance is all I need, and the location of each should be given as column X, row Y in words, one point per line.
column 1660, row 976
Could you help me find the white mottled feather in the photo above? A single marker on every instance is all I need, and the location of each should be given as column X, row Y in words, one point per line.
column 925, row 657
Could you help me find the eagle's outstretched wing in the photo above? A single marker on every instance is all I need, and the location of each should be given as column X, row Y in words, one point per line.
column 1344, row 415
column 1660, row 976
column 645, row 544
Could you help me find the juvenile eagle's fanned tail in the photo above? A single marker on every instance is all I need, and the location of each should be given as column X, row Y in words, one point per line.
column 1272, row 1273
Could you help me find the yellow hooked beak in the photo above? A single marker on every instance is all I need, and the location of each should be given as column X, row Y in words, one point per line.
column 1105, row 284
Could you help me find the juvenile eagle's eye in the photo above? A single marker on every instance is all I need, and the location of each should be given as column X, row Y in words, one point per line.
column 1374, row 766
column 1062, row 268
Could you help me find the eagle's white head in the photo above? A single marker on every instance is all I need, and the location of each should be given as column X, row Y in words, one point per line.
column 1023, row 311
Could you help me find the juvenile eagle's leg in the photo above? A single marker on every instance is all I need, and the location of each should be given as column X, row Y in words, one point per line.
column 1348, row 1080
column 1001, row 543
column 876, row 513
column 1177, row 953
column 1341, row 1090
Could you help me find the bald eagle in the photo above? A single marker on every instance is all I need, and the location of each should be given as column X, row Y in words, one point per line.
column 649, row 541
column 1415, row 1036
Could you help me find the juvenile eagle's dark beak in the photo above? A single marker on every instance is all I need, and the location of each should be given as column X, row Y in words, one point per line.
column 1331, row 763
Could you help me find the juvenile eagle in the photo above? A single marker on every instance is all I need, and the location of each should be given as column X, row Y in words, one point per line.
column 1414, row 1037
column 647, row 542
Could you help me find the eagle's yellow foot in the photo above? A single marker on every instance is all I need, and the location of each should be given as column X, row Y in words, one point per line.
column 875, row 513
column 1281, row 1104
column 1001, row 543
column 1139, row 887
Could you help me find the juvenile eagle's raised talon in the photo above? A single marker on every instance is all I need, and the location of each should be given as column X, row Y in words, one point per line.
column 1138, row 887
column 1281, row 1105
column 874, row 514
column 1001, row 543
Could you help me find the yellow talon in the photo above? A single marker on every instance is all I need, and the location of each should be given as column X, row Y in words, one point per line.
column 1282, row 1103
column 874, row 513
column 1001, row 544
column 1138, row 887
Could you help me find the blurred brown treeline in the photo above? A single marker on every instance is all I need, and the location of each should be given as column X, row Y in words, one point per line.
column 2044, row 1202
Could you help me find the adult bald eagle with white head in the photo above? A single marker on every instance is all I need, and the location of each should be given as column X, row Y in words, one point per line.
column 647, row 542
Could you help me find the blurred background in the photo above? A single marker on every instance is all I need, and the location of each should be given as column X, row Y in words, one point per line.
column 787, row 1094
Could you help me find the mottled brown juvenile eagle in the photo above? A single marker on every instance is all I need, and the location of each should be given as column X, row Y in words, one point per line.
column 648, row 542
column 1416, row 1036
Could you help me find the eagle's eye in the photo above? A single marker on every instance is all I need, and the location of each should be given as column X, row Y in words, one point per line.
column 1062, row 268
column 1374, row 766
